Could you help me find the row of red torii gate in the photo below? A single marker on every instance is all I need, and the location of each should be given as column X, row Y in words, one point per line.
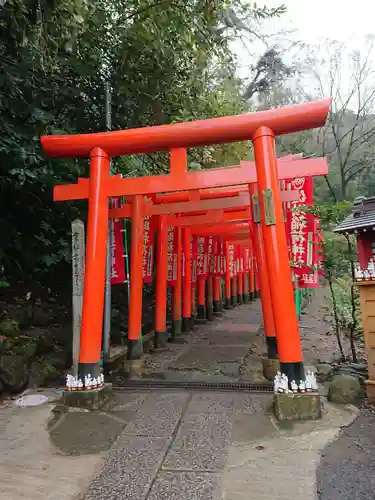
column 230, row 224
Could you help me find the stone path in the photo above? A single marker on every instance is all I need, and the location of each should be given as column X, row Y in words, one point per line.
column 228, row 349
column 199, row 446
column 171, row 445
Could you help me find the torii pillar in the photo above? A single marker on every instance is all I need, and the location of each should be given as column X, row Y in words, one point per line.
column 277, row 256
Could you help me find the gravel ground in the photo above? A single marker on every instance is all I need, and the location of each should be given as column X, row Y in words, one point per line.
column 347, row 466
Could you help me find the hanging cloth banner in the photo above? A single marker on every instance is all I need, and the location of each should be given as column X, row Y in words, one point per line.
column 308, row 276
column 194, row 254
column 232, row 262
column 148, row 245
column 172, row 256
column 202, row 256
column 298, row 220
column 247, row 260
column 221, row 265
column 118, row 274
column 210, row 256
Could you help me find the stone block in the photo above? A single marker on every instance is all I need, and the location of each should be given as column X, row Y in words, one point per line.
column 90, row 400
column 301, row 406
column 270, row 368
column 344, row 389
column 133, row 367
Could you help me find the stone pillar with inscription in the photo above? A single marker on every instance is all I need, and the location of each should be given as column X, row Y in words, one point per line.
column 78, row 265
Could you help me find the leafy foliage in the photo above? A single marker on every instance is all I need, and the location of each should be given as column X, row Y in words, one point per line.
column 165, row 61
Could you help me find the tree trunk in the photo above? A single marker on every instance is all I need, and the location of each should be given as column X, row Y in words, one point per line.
column 337, row 326
column 353, row 324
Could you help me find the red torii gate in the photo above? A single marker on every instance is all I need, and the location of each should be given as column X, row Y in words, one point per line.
column 261, row 128
column 204, row 199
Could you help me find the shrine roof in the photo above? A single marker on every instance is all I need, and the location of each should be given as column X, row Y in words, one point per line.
column 362, row 216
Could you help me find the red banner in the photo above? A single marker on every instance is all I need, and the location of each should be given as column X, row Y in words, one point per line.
column 148, row 246
column 118, row 257
column 194, row 252
column 247, row 260
column 232, row 261
column 210, row 255
column 172, row 256
column 202, row 254
column 298, row 220
column 221, row 258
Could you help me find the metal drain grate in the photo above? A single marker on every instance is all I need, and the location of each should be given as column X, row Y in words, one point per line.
column 128, row 385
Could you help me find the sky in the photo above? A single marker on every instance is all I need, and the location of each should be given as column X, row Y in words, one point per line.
column 315, row 20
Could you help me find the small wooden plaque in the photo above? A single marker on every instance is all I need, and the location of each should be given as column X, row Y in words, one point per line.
column 256, row 208
column 269, row 208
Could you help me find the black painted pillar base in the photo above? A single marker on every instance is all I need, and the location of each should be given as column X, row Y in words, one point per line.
column 228, row 303
column 239, row 299
column 234, row 300
column 176, row 328
column 271, row 348
column 217, row 306
column 245, row 298
column 186, row 325
column 86, row 369
column 161, row 340
column 201, row 311
column 135, row 349
column 294, row 371
column 210, row 312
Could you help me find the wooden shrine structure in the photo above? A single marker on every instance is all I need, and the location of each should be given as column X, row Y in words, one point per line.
column 250, row 192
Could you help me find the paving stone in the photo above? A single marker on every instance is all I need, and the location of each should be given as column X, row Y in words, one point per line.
column 201, row 357
column 158, row 415
column 247, row 428
column 212, row 377
column 171, row 399
column 134, row 453
column 127, row 402
column 235, row 329
column 86, row 432
column 185, row 486
column 211, row 403
column 201, row 443
column 223, row 337
column 253, row 403
column 125, row 485
column 160, row 423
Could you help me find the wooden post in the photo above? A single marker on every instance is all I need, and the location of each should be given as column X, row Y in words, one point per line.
column 135, row 349
column 227, row 303
column 217, row 294
column 233, row 291
column 277, row 257
column 201, row 309
column 245, row 286
column 177, row 289
column 239, row 288
column 186, row 306
column 259, row 249
column 210, row 298
column 96, row 250
column 78, row 266
column 161, row 283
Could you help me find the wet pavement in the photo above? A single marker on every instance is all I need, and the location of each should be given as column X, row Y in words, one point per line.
column 228, row 349
column 346, row 471
column 173, row 445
